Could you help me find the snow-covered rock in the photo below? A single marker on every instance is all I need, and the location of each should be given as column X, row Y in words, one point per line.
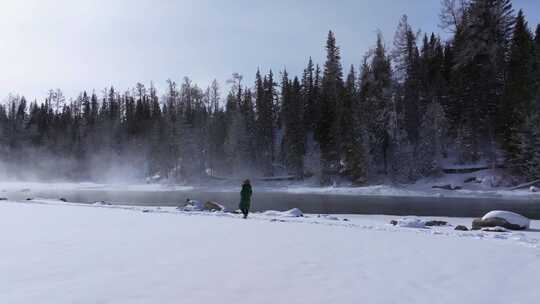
column 534, row 189
column 295, row 212
column 328, row 217
column 505, row 219
column 192, row 205
column 510, row 217
column 461, row 228
column 436, row 223
column 495, row 229
column 410, row 222
column 214, row 206
column 197, row 206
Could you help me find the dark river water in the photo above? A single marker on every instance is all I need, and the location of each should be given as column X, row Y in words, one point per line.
column 308, row 203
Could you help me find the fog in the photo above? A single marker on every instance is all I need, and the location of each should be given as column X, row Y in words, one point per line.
column 33, row 165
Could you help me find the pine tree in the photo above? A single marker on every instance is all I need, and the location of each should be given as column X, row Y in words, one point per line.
column 265, row 118
column 482, row 44
column 309, row 95
column 381, row 105
column 433, row 132
column 294, row 135
column 536, row 69
column 357, row 156
column 348, row 130
column 519, row 89
column 328, row 128
column 408, row 65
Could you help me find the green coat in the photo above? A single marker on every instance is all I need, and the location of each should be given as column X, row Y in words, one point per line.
column 245, row 196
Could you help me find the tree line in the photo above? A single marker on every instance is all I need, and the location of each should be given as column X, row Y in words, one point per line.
column 402, row 114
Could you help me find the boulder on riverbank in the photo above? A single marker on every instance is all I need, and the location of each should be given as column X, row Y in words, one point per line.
column 213, row 206
column 436, row 223
column 461, row 228
column 194, row 205
column 504, row 219
column 409, row 222
column 412, row 222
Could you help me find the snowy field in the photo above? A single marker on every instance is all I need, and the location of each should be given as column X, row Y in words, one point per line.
column 53, row 252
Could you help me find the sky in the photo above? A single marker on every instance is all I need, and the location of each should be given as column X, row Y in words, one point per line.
column 93, row 44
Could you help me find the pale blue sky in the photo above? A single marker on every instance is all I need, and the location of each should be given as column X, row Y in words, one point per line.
column 91, row 44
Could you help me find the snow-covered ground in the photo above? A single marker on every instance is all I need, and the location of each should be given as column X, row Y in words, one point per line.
column 52, row 252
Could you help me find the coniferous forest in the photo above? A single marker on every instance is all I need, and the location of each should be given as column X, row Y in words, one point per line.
column 405, row 112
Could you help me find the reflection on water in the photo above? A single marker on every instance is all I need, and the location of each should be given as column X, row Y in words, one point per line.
column 309, row 203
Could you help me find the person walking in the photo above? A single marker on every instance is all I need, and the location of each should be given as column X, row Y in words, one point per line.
column 245, row 197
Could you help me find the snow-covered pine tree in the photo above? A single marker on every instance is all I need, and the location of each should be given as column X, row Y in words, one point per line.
column 482, row 44
column 265, row 122
column 408, row 71
column 381, row 106
column 519, row 89
column 312, row 159
column 433, row 133
column 537, row 57
column 358, row 158
column 348, row 130
column 331, row 94
column 250, row 142
column 311, row 108
column 293, row 122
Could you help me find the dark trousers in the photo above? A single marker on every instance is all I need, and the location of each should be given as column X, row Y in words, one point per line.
column 245, row 209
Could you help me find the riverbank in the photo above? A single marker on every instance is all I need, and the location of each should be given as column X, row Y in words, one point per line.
column 53, row 252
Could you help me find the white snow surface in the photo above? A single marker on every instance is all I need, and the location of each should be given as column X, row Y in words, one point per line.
column 510, row 217
column 55, row 252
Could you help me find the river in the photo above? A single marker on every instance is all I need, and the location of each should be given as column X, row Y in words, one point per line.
column 308, row 203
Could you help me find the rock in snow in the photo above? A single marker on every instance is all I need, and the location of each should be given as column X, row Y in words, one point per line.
column 192, row 205
column 505, row 219
column 495, row 229
column 436, row 223
column 291, row 213
column 461, row 228
column 411, row 222
column 213, row 206
column 511, row 217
